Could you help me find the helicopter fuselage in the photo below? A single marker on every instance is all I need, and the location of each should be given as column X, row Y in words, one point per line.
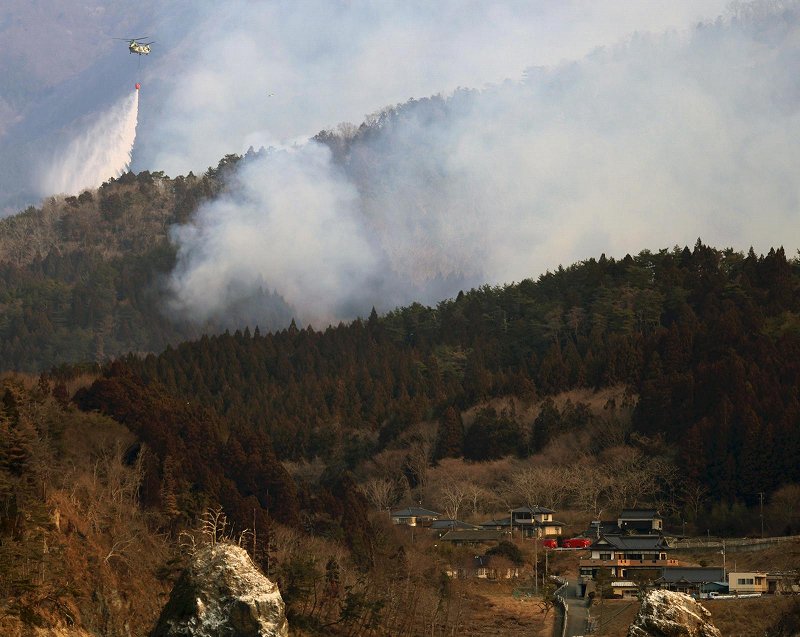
column 139, row 49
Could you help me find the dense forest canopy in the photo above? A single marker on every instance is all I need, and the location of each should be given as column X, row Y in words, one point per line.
column 707, row 339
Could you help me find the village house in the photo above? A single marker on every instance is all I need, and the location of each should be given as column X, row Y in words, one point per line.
column 693, row 580
column 474, row 536
column 625, row 589
column 744, row 583
column 629, row 521
column 640, row 521
column 783, row 582
column 414, row 516
column 442, row 526
column 690, row 580
column 484, row 567
column 623, row 555
column 528, row 522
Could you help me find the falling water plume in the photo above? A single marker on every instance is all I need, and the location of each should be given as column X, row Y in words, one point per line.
column 100, row 150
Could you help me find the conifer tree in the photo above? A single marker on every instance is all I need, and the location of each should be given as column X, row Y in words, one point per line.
column 450, row 436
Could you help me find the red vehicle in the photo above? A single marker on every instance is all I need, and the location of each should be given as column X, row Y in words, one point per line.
column 550, row 544
column 576, row 543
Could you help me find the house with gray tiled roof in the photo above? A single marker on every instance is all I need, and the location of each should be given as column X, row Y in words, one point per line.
column 640, row 521
column 443, row 525
column 623, row 555
column 692, row 579
column 415, row 516
column 474, row 536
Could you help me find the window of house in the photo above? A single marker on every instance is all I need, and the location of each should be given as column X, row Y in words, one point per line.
column 745, row 581
column 605, row 556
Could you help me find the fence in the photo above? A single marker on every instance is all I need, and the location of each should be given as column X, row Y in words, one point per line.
column 561, row 602
column 731, row 543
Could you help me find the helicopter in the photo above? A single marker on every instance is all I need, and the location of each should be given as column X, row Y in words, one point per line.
column 134, row 46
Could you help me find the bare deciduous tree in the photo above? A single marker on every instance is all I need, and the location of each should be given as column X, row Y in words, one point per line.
column 476, row 495
column 539, row 486
column 379, row 491
column 695, row 496
column 452, row 496
column 418, row 461
column 590, row 486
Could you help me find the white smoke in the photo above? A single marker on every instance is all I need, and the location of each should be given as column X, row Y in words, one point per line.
column 100, row 149
column 328, row 61
column 292, row 221
column 650, row 144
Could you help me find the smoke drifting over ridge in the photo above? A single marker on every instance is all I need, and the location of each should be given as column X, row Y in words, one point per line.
column 98, row 151
column 328, row 61
column 292, row 224
column 648, row 144
column 214, row 65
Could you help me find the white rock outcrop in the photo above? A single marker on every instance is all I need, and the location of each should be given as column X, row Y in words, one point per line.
column 222, row 592
column 668, row 614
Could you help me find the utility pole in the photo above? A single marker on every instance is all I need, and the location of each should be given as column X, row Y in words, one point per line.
column 535, row 552
column 546, row 555
column 724, row 570
column 761, row 508
column 535, row 560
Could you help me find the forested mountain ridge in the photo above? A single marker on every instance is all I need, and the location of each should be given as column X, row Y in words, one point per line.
column 707, row 339
column 82, row 278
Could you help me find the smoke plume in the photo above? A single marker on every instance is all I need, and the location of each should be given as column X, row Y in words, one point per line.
column 100, row 148
column 651, row 143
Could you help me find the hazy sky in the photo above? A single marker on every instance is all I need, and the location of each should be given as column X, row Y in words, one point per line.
column 328, row 61
column 207, row 81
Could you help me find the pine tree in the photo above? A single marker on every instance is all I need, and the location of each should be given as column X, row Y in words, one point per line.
column 450, row 437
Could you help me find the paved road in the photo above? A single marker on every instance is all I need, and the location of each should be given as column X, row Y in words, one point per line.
column 578, row 609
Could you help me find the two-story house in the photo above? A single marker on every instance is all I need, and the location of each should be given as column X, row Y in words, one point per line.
column 528, row 522
column 623, row 555
column 629, row 521
column 640, row 521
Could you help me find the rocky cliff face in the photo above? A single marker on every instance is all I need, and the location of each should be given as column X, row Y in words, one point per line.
column 222, row 593
column 668, row 614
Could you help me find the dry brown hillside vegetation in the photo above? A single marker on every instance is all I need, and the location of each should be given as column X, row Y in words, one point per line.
column 82, row 548
column 581, row 471
column 125, row 216
column 76, row 551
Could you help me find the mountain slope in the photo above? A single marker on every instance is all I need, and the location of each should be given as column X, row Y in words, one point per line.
column 82, row 279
